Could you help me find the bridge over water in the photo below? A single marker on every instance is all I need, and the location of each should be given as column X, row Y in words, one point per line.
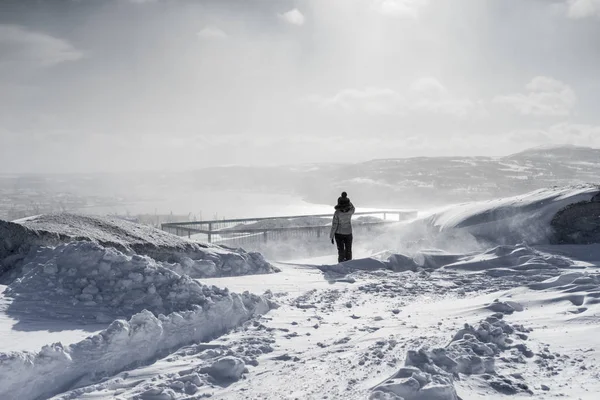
column 277, row 235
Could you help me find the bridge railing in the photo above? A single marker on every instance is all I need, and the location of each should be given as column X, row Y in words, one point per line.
column 253, row 233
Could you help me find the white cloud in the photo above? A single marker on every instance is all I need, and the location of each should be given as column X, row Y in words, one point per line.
column 399, row 8
column 371, row 101
column 578, row 9
column 429, row 95
column 426, row 95
column 18, row 44
column 544, row 97
column 294, row 17
column 212, row 32
column 577, row 134
column 428, row 87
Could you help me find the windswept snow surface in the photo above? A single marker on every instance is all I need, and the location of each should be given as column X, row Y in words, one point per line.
column 519, row 218
column 472, row 302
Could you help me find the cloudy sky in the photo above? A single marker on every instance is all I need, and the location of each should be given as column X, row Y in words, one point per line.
column 110, row 85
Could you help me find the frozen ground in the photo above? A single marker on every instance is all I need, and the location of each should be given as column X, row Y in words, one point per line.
column 469, row 305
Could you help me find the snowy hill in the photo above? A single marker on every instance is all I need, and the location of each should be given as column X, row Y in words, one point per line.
column 435, row 180
column 195, row 259
column 418, row 181
column 525, row 218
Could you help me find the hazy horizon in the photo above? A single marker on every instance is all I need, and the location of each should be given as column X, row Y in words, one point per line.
column 174, row 169
column 147, row 85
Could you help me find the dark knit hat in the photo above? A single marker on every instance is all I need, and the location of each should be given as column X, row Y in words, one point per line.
column 343, row 202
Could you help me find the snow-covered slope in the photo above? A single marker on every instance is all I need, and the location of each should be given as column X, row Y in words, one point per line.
column 482, row 305
column 199, row 260
column 527, row 218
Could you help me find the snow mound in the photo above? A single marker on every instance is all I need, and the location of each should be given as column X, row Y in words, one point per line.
column 526, row 218
column 84, row 280
column 581, row 290
column 499, row 261
column 195, row 371
column 511, row 259
column 429, row 374
column 26, row 375
column 185, row 256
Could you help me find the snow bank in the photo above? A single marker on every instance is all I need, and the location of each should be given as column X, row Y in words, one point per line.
column 25, row 375
column 185, row 256
column 429, row 374
column 509, row 259
column 505, row 260
column 84, row 280
column 526, row 218
column 493, row 234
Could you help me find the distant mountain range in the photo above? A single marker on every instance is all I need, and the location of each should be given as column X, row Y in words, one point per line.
column 419, row 181
column 395, row 183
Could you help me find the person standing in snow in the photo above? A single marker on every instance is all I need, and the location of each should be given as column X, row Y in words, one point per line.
column 341, row 227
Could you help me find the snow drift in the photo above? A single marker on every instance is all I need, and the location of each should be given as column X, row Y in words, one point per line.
column 548, row 216
column 86, row 281
column 526, row 218
column 518, row 260
column 198, row 260
column 26, row 375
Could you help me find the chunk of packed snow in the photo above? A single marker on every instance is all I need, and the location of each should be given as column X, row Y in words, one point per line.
column 429, row 374
column 226, row 369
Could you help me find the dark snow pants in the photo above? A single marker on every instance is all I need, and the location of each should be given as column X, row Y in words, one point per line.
column 344, row 246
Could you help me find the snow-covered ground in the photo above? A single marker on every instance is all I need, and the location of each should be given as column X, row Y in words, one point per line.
column 471, row 302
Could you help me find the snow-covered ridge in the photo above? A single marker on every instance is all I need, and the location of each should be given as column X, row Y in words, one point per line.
column 26, row 375
column 86, row 281
column 195, row 259
column 525, row 218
